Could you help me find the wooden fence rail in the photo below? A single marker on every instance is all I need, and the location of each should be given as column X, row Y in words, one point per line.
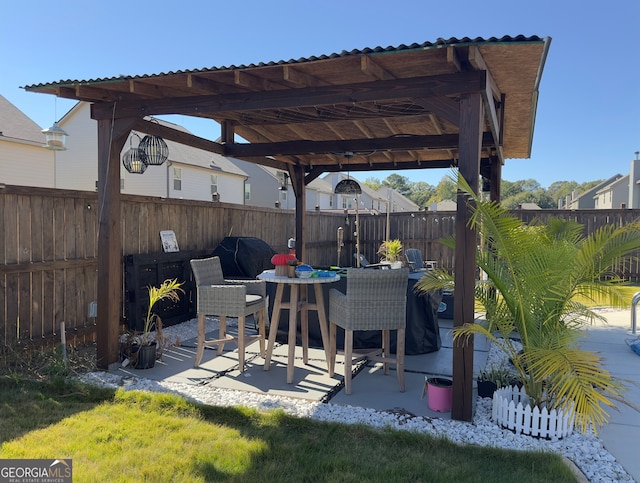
column 48, row 246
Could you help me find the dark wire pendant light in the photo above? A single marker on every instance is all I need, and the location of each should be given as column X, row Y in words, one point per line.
column 348, row 186
column 153, row 150
column 132, row 162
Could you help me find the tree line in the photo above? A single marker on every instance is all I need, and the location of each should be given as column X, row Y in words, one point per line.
column 513, row 193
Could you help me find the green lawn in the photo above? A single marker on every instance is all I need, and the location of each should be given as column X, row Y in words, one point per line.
column 134, row 436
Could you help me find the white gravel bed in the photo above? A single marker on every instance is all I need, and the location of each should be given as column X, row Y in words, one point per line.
column 586, row 451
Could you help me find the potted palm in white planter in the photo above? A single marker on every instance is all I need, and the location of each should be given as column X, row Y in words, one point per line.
column 390, row 251
column 536, row 279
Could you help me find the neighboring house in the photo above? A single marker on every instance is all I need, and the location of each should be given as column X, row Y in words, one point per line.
column 397, row 201
column 529, row 206
column 23, row 158
column 613, row 195
column 262, row 186
column 189, row 173
column 271, row 187
column 380, row 201
column 446, row 205
column 586, row 200
column 617, row 192
column 320, row 195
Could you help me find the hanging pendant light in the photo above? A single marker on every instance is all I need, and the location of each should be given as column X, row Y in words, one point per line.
column 131, row 160
column 55, row 138
column 153, row 150
column 348, row 186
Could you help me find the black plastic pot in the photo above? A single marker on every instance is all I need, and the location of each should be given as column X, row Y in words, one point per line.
column 486, row 388
column 143, row 357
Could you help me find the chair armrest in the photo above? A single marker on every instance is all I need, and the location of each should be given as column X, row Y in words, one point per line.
column 254, row 287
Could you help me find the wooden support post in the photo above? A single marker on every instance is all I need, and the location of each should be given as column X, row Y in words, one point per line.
column 111, row 139
column 296, row 174
column 495, row 177
column 471, row 117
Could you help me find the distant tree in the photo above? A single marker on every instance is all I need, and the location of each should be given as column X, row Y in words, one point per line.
column 539, row 197
column 561, row 189
column 373, row 183
column 586, row 186
column 421, row 193
column 399, row 183
column 445, row 190
column 509, row 188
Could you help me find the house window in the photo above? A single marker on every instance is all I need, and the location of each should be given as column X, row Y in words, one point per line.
column 177, row 179
column 331, row 202
column 283, row 195
column 346, row 203
column 247, row 191
column 214, row 183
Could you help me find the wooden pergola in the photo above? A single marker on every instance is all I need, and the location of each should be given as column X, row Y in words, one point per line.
column 465, row 103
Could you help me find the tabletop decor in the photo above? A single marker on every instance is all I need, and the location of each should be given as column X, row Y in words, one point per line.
column 281, row 262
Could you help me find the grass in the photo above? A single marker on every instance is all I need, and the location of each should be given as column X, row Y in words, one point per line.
column 136, row 436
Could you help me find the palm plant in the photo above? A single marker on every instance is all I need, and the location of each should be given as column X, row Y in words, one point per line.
column 536, row 276
column 167, row 290
column 390, row 250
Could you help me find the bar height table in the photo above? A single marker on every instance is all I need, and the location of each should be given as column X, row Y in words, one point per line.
column 298, row 302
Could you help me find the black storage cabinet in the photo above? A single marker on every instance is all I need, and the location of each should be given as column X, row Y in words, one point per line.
column 141, row 271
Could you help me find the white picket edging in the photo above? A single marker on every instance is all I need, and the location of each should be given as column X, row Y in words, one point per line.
column 511, row 410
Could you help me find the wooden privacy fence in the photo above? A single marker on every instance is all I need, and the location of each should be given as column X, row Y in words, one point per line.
column 48, row 246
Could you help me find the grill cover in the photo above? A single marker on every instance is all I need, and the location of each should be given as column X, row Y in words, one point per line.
column 244, row 257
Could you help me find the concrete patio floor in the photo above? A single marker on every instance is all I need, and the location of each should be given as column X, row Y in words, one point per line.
column 373, row 389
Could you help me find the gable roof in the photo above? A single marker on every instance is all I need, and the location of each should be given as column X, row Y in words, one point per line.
column 16, row 125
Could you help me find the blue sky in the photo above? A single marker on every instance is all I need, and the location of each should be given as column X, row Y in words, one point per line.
column 588, row 119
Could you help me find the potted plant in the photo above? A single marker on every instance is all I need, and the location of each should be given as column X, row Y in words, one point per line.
column 537, row 277
column 492, row 378
column 142, row 348
column 390, row 251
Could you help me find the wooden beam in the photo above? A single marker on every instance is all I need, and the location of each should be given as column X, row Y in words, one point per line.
column 443, row 107
column 443, row 141
column 490, row 95
column 111, row 139
column 373, row 69
column 227, row 132
column 296, row 77
column 319, row 169
column 153, row 128
column 198, row 83
column 420, row 87
column 471, row 120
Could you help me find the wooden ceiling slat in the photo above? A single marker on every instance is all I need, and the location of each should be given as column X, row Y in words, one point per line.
column 295, row 76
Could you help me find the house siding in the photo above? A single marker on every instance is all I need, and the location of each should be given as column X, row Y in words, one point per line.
column 25, row 164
